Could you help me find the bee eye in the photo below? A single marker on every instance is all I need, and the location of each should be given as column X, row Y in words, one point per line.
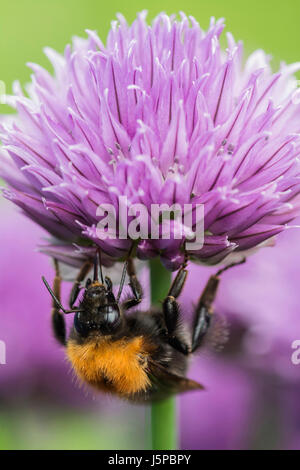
column 111, row 317
column 82, row 327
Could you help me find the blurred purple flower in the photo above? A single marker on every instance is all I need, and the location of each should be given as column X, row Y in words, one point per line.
column 34, row 363
column 160, row 114
column 253, row 383
column 219, row 417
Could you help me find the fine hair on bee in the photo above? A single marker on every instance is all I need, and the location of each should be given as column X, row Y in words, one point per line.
column 140, row 355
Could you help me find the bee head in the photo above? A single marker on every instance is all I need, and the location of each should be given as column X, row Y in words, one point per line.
column 99, row 310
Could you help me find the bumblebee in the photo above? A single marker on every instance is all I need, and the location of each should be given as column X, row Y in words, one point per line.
column 142, row 356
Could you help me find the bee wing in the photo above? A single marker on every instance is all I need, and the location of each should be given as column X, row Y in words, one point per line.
column 217, row 335
column 168, row 382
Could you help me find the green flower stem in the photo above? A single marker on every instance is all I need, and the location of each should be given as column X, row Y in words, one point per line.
column 163, row 424
column 163, row 413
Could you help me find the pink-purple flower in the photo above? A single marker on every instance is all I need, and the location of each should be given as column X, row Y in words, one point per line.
column 159, row 114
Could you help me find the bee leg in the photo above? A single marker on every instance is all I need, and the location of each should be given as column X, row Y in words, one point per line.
column 204, row 309
column 76, row 286
column 171, row 311
column 58, row 321
column 135, row 286
column 178, row 283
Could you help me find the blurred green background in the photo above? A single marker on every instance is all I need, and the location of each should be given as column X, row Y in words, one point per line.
column 26, row 26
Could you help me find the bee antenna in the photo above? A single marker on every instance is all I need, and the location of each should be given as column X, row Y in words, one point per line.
column 56, row 299
column 95, row 277
column 124, row 273
column 122, row 280
column 100, row 266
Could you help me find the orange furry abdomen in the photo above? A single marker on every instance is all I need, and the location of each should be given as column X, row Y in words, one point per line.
column 116, row 366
